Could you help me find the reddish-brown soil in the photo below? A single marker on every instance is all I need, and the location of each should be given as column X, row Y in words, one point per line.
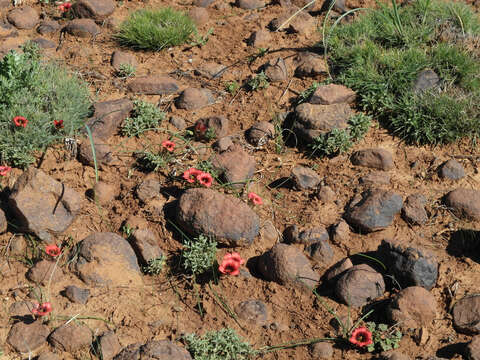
column 165, row 306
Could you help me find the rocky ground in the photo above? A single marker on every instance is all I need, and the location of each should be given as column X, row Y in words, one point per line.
column 413, row 211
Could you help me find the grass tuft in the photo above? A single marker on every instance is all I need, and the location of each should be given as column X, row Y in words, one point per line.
column 381, row 54
column 155, row 29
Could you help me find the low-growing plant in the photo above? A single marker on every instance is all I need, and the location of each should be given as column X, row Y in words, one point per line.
column 261, row 52
column 384, row 337
column 201, row 40
column 155, row 266
column 126, row 71
column 150, row 161
column 339, row 141
column 155, row 29
column 145, row 116
column 223, row 344
column 382, row 54
column 232, row 87
column 259, row 81
column 40, row 104
column 199, row 254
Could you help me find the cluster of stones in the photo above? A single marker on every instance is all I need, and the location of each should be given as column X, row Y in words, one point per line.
column 46, row 207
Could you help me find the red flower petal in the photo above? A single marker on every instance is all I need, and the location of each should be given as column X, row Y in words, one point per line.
column 53, row 250
column 361, row 337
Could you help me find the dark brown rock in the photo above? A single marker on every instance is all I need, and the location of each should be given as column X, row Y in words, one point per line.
column 202, row 211
column 276, row 70
column 325, row 194
column 195, row 98
column 106, row 259
column 332, row 94
column 250, row 4
column 341, row 232
column 413, row 307
column 71, row 337
column 178, row 122
column 203, row 3
column 48, row 27
column 153, row 85
column 214, row 127
column 473, row 348
column 44, row 43
column 29, row 337
column 210, row 70
column 411, row 265
column 305, row 178
column 103, row 153
column 82, row 28
column 293, row 235
column 149, row 189
column 7, row 30
column 42, row 205
column 154, row 349
column 109, row 345
column 146, row 244
column 376, row 178
column 321, row 251
column 413, row 210
column 359, row 285
column 287, row 265
column 303, row 23
column 48, row 356
column 334, row 273
column 315, row 120
column 260, row 133
column 452, row 170
column 310, row 65
column 43, row 270
column 373, row 158
column 394, row 355
column 24, row 17
column 120, row 58
column 222, row 144
column 76, row 294
column 20, row 309
column 108, row 117
column 375, row 211
column 259, row 38
column 97, row 10
column 466, row 315
column 236, row 166
column 322, row 350
column 465, row 203
column 253, row 311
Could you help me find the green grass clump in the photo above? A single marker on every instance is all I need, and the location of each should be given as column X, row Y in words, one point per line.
column 199, row 254
column 382, row 52
column 155, row 29
column 145, row 116
column 42, row 92
column 223, row 344
column 339, row 141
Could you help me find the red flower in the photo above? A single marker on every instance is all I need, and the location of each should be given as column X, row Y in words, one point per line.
column 257, row 200
column 42, row 309
column 200, row 128
column 4, row 170
column 168, row 145
column 361, row 337
column 53, row 250
column 205, row 179
column 58, row 124
column 61, row 8
column 191, row 175
column 231, row 264
column 20, row 121
column 67, row 6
